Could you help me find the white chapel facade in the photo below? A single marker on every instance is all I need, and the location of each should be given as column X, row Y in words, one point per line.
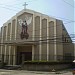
column 42, row 40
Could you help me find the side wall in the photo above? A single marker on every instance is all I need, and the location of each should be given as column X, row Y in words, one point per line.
column 59, row 39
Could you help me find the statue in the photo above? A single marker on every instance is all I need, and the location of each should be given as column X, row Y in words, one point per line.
column 24, row 24
column 24, row 33
column 24, row 27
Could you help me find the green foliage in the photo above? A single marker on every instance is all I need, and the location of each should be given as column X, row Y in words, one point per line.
column 46, row 62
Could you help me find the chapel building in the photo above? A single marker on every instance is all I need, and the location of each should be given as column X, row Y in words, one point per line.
column 33, row 36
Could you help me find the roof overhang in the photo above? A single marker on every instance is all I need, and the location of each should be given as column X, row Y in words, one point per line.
column 21, row 42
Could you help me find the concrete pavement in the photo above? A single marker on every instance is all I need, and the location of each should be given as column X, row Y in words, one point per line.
column 23, row 72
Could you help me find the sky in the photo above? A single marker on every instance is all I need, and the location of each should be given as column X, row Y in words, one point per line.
column 60, row 9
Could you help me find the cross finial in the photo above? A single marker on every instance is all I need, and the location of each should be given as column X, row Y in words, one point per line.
column 25, row 4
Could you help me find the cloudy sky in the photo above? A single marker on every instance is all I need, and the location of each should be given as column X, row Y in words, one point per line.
column 60, row 9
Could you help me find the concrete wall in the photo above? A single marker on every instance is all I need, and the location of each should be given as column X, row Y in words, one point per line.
column 68, row 46
column 24, row 49
column 59, row 39
column 45, row 67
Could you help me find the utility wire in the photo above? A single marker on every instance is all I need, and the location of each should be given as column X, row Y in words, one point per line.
column 15, row 10
column 53, row 37
column 4, row 5
column 48, row 27
column 51, row 27
column 8, row 8
column 43, row 41
column 66, row 23
column 20, row 8
column 68, row 3
column 38, row 36
column 25, row 1
column 50, row 15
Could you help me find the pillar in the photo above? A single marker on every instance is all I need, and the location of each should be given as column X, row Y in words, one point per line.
column 5, row 55
column 2, row 41
column 47, row 40
column 14, row 55
column 55, row 52
column 10, row 46
column 15, row 38
column 9, row 62
column 33, row 36
column 40, row 44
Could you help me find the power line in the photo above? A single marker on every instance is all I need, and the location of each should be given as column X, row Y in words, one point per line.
column 43, row 41
column 61, row 18
column 36, row 30
column 5, row 5
column 58, row 17
column 38, row 36
column 49, row 27
column 26, row 1
column 68, row 3
column 20, row 8
column 8, row 8
column 45, row 36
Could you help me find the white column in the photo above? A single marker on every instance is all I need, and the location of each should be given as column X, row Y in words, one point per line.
column 2, row 40
column 14, row 57
column 47, row 40
column 32, row 52
column 5, row 53
column 6, row 45
column 55, row 52
column 11, row 31
column 40, row 45
column 9, row 55
column 10, row 46
column 33, row 36
column 6, row 32
column 16, row 29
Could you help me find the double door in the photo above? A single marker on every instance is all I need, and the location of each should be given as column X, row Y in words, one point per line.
column 24, row 56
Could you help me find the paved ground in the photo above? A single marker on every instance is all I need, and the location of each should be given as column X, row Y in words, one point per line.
column 23, row 72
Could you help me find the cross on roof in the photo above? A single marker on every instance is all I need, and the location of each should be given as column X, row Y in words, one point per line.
column 25, row 4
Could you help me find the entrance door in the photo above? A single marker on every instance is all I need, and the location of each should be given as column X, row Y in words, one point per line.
column 24, row 56
column 24, row 53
